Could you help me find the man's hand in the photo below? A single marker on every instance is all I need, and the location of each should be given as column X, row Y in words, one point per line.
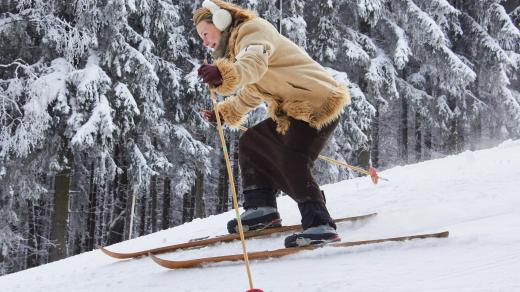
column 210, row 75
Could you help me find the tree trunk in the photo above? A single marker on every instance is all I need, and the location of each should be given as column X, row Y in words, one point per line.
column 100, row 209
column 32, row 241
column 142, row 215
column 453, row 140
column 404, row 131
column 428, row 144
column 363, row 158
column 476, row 132
column 166, row 204
column 116, row 229
column 418, row 138
column 91, row 212
column 188, row 207
column 375, row 138
column 198, row 188
column 236, row 166
column 223, row 188
column 128, row 214
column 153, row 211
column 461, row 134
column 59, row 232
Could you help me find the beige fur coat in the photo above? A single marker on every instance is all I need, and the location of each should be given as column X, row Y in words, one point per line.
column 264, row 66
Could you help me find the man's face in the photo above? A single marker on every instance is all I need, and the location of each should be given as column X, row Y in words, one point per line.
column 209, row 34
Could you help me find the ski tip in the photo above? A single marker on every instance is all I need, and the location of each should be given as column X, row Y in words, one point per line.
column 115, row 255
column 157, row 260
column 163, row 263
column 444, row 234
column 154, row 258
column 106, row 251
column 356, row 218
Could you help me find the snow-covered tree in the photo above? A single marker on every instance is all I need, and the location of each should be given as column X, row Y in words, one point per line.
column 293, row 23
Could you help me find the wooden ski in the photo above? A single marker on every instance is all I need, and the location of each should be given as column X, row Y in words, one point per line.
column 199, row 243
column 281, row 252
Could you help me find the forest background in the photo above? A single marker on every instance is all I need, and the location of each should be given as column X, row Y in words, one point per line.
column 100, row 103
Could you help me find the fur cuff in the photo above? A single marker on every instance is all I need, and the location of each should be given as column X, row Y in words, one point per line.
column 231, row 116
column 230, row 78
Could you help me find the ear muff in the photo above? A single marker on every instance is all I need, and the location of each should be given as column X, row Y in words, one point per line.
column 221, row 17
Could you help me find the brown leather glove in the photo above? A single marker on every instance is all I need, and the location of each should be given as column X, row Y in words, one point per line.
column 210, row 116
column 210, row 75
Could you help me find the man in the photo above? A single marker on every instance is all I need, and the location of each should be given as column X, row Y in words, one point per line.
column 256, row 64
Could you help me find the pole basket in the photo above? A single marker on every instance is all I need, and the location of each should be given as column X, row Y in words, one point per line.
column 373, row 175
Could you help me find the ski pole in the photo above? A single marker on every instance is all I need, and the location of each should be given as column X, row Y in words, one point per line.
column 234, row 193
column 372, row 172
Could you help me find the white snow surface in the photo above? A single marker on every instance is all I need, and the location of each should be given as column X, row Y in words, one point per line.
column 474, row 195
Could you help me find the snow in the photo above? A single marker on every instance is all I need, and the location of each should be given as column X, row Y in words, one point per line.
column 370, row 10
column 50, row 87
column 402, row 50
column 126, row 97
column 131, row 5
column 99, row 121
column 509, row 34
column 430, row 32
column 356, row 53
column 474, row 195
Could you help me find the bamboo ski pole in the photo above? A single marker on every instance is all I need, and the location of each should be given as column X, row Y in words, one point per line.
column 233, row 191
column 372, row 172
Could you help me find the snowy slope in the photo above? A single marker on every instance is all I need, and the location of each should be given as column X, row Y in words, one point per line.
column 474, row 195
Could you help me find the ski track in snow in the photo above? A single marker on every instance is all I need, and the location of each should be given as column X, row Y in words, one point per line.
column 474, row 195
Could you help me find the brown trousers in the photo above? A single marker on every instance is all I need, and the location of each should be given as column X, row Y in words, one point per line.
column 269, row 160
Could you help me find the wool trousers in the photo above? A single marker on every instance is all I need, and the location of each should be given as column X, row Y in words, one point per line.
column 270, row 161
